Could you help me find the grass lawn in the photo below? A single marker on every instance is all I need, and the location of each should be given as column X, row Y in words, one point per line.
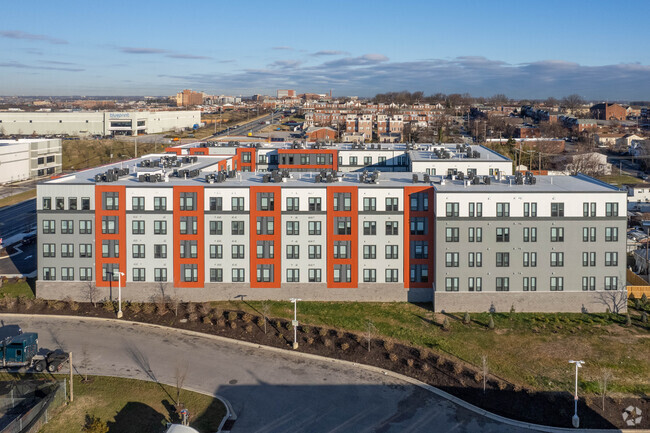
column 619, row 180
column 17, row 198
column 132, row 406
column 524, row 348
column 19, row 288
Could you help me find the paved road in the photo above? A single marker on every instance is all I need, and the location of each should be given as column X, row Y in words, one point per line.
column 270, row 392
column 253, row 126
column 17, row 217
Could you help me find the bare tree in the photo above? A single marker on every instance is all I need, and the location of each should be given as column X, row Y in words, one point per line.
column 588, row 163
column 175, row 302
column 370, row 332
column 572, row 102
column 266, row 311
column 605, row 376
column 91, row 293
column 614, row 300
column 180, row 374
column 484, row 371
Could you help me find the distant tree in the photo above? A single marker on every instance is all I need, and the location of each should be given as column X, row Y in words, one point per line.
column 498, row 99
column 587, row 163
column 572, row 102
column 551, row 102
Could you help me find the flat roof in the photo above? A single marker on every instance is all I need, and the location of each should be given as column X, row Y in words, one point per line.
column 24, row 140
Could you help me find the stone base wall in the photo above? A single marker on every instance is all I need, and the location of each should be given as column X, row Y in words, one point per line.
column 537, row 302
column 145, row 292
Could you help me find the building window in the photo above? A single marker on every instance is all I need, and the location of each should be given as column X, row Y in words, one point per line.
column 237, row 204
column 419, row 226
column 160, row 251
column 611, row 234
column 60, row 203
column 503, row 260
column 369, row 228
column 557, row 284
column 530, row 260
column 314, row 228
column 503, row 210
column 342, row 273
column 265, row 201
column 189, row 273
column 160, row 203
column 392, row 275
column 557, row 259
column 110, row 248
column 67, row 274
column 293, row 251
column 293, row 228
column 216, row 274
column 419, row 201
column 419, row 249
column 557, row 234
column 314, row 275
column 49, row 227
column 530, row 284
column 314, row 204
column 109, row 225
column 137, row 203
column 138, row 274
column 137, row 227
column 392, row 228
column 611, row 283
column 246, row 157
column 342, row 201
column 452, row 234
column 475, row 284
column 187, row 201
column 67, row 250
column 67, row 227
column 72, row 203
column 341, row 249
column 557, row 209
column 188, row 249
column 589, row 209
column 237, row 251
column 392, row 204
column 530, row 209
column 49, row 250
column 476, row 209
column 85, row 274
column 611, row 259
column 49, row 274
column 216, row 251
column 451, row 260
column 369, row 275
column 293, row 204
column 85, row 227
column 475, row 234
column 85, row 250
column 530, row 234
column 238, row 275
column 216, row 227
column 265, row 226
column 392, row 252
column 503, row 234
column 589, row 258
column 419, row 273
column 369, row 204
column 502, row 284
column 452, row 209
column 452, row 284
column 293, row 275
column 138, row 251
column 237, row 228
column 47, row 203
column 264, row 273
column 370, row 252
column 110, row 200
column 353, row 160
column 611, row 209
column 343, row 225
column 314, row 251
column 160, row 227
column 216, row 203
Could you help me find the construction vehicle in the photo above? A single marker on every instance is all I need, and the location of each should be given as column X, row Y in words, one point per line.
column 22, row 351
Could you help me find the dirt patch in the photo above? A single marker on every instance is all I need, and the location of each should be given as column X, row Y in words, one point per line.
column 449, row 374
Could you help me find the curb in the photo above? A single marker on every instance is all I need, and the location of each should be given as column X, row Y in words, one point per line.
column 230, row 413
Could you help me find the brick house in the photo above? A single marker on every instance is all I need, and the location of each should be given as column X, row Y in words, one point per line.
column 607, row 111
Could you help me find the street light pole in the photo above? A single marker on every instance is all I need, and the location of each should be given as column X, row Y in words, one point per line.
column 119, row 293
column 575, row 420
column 295, row 322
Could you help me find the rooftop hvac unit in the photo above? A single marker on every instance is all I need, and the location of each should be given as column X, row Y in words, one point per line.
column 329, row 178
column 487, row 180
column 476, row 181
column 266, row 178
column 461, row 175
column 426, row 178
column 415, row 178
column 317, row 179
column 98, row 178
column 476, row 154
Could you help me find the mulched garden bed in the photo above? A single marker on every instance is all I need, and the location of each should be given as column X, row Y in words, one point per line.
column 451, row 375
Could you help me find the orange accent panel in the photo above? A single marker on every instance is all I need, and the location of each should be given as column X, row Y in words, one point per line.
column 408, row 237
column 253, row 152
column 176, row 150
column 119, row 236
column 353, row 237
column 276, row 237
column 198, row 237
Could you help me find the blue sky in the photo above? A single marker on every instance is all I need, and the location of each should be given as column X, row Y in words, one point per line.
column 523, row 49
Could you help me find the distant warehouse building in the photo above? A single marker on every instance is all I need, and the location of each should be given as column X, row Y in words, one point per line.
column 29, row 158
column 105, row 123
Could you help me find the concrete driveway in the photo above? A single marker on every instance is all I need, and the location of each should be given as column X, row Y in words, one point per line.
column 269, row 391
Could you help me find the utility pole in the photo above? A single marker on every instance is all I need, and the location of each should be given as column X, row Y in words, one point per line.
column 575, row 420
column 71, row 379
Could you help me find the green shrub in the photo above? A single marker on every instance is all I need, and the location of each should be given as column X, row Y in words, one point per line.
column 306, row 329
column 466, row 319
column 491, row 322
column 95, row 425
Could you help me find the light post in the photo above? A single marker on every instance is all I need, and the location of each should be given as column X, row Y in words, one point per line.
column 575, row 420
column 294, row 323
column 119, row 292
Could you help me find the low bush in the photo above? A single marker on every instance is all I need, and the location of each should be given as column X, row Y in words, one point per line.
column 247, row 318
column 233, row 325
column 135, row 307
column 322, row 332
column 221, row 322
column 410, row 362
column 310, row 340
column 392, row 357
column 327, row 342
column 206, row 320
column 389, row 345
column 193, row 317
column 148, row 308
column 345, row 346
column 232, row 316
column 425, row 367
column 248, row 328
column 306, row 329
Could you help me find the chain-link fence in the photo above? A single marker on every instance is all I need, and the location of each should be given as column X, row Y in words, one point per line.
column 33, row 408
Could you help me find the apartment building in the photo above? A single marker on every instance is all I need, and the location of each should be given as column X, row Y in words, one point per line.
column 359, row 123
column 203, row 228
column 188, row 97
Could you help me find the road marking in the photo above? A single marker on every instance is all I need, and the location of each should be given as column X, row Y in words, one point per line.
column 28, row 257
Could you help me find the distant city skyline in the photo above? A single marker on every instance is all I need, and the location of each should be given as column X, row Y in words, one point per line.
column 353, row 48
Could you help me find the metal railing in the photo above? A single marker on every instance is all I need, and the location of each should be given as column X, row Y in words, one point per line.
column 36, row 416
